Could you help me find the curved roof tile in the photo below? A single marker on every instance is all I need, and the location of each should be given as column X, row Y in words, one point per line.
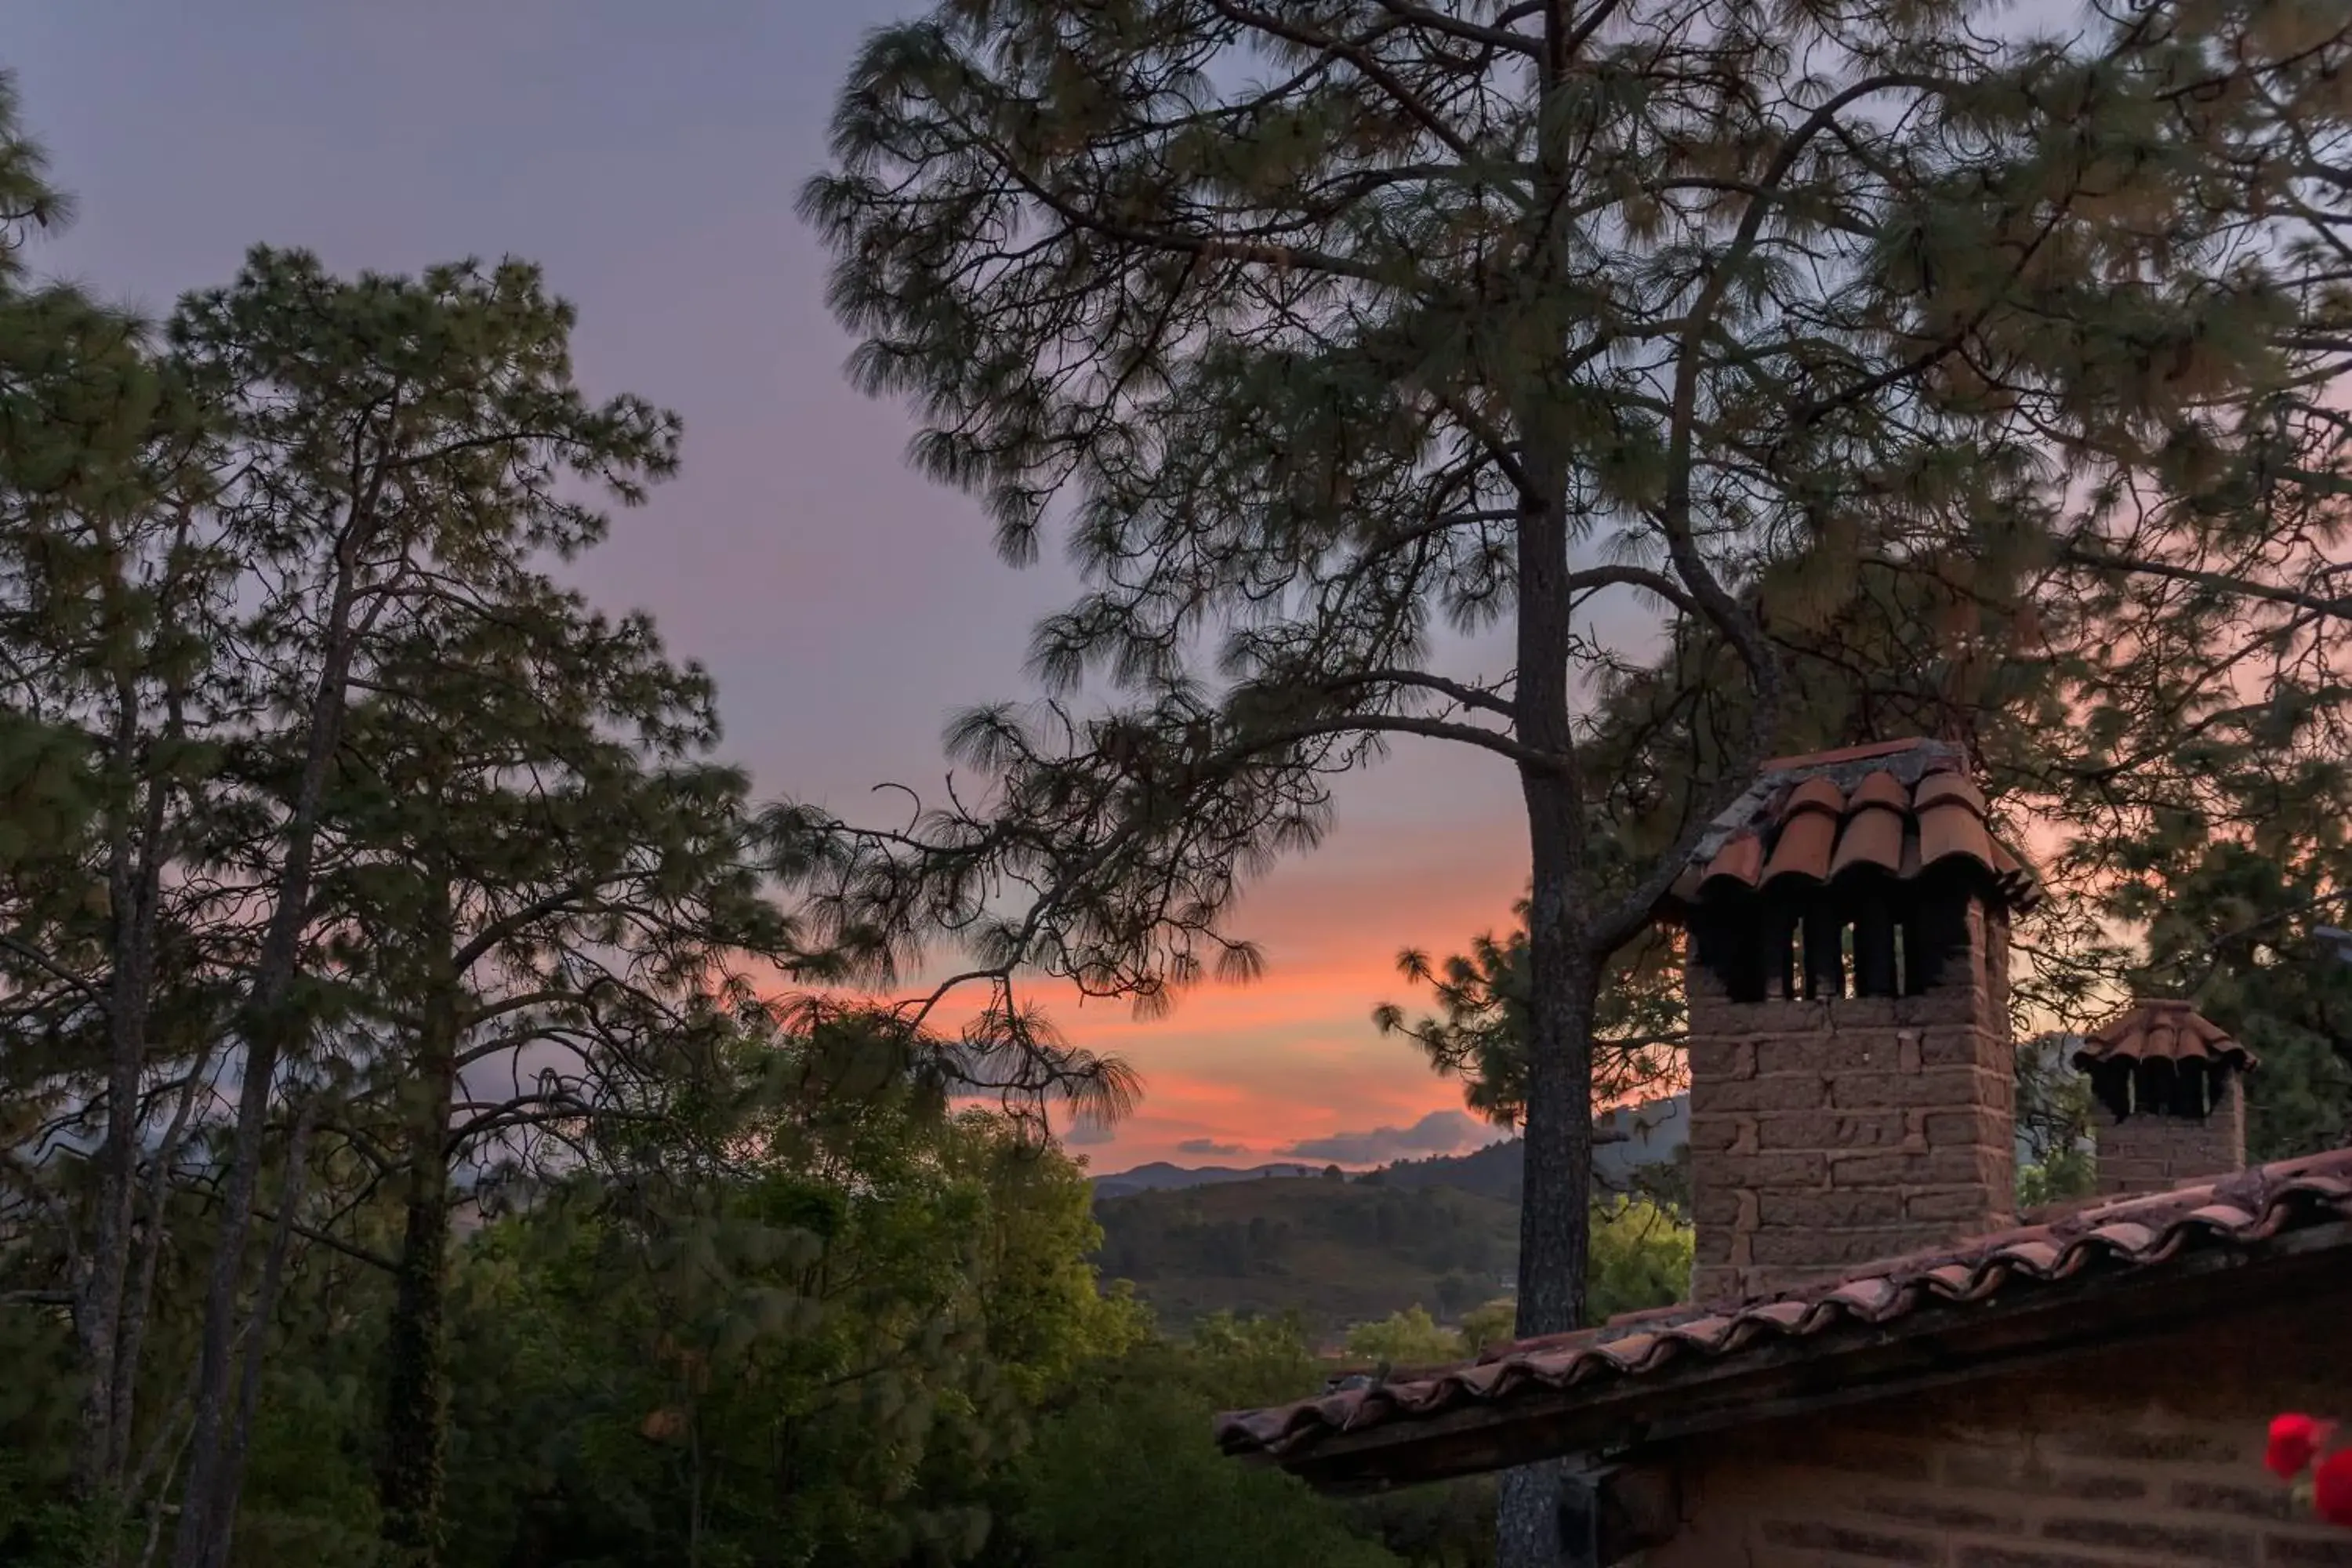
column 1806, row 841
column 1895, row 809
column 1874, row 833
column 1741, row 860
column 1949, row 827
column 1938, row 787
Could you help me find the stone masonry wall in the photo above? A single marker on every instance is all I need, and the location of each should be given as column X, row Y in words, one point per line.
column 2150, row 1153
column 1826, row 1134
column 2149, row 1456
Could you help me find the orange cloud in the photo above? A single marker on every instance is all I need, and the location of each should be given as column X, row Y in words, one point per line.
column 1295, row 1055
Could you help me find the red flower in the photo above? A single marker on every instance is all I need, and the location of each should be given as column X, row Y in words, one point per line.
column 2294, row 1440
column 2331, row 1487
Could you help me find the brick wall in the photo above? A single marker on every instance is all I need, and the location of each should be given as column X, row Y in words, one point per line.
column 2150, row 1153
column 2148, row 1456
column 1832, row 1133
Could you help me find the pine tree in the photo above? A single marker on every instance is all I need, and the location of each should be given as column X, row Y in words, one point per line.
column 534, row 880
column 1335, row 325
column 108, row 591
column 387, row 448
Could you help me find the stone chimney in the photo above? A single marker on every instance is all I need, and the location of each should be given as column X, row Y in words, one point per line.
column 1852, row 1090
column 2170, row 1098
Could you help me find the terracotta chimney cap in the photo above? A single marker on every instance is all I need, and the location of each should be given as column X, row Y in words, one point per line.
column 1895, row 809
column 2163, row 1029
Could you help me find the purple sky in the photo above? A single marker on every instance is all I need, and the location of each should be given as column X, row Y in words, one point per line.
column 648, row 156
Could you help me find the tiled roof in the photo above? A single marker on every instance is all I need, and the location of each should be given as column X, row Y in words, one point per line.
column 2152, row 1031
column 2158, row 1235
column 1897, row 809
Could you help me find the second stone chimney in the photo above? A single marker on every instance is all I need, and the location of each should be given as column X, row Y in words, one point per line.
column 1853, row 1075
column 2170, row 1098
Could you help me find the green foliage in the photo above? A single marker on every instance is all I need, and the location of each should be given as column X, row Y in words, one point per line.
column 1359, row 1258
column 1410, row 1337
column 1485, row 1326
column 2061, row 1179
column 2054, row 1124
column 2231, row 893
column 1479, row 1033
column 40, row 1524
column 1641, row 1258
column 317, row 787
column 1130, row 1480
column 821, row 1356
column 1125, row 1475
column 1760, row 376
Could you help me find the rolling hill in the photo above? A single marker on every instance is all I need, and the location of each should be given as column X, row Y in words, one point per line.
column 1337, row 1251
column 1440, row 1233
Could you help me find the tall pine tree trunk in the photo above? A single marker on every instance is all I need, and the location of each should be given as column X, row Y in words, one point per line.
column 1557, row 1150
column 271, row 1022
column 133, row 882
column 409, row 1474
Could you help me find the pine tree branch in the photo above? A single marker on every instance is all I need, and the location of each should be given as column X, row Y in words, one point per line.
column 1400, row 724
column 57, row 972
column 1468, row 31
column 1617, row 576
column 1205, row 247
column 210, row 1194
column 2100, row 559
column 1356, row 55
column 1469, row 696
column 538, row 908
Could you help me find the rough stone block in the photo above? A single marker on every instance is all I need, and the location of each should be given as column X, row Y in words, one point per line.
column 1963, row 1208
column 1783, row 1092
column 1863, row 1012
column 1713, row 1206
column 1948, row 1004
column 2161, row 1540
column 1829, row 1210
column 1712, row 1134
column 1720, row 1060
column 1937, row 1087
column 1976, row 1125
column 1799, row 1130
column 1836, row 1251
column 1967, row 1046
column 1786, row 1170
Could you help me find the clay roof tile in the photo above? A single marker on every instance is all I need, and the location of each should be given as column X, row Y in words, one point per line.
column 1938, row 787
column 1874, row 833
column 1882, row 788
column 1805, row 844
column 1741, row 860
column 1947, row 828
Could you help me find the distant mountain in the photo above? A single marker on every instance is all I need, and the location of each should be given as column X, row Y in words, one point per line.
column 1492, row 1172
column 1630, row 1137
column 1160, row 1177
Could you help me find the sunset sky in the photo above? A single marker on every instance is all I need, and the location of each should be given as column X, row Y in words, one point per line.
column 648, row 157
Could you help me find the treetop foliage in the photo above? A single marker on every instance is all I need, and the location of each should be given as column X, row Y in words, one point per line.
column 1291, row 315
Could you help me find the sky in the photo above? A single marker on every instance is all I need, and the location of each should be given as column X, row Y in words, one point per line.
column 648, row 157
